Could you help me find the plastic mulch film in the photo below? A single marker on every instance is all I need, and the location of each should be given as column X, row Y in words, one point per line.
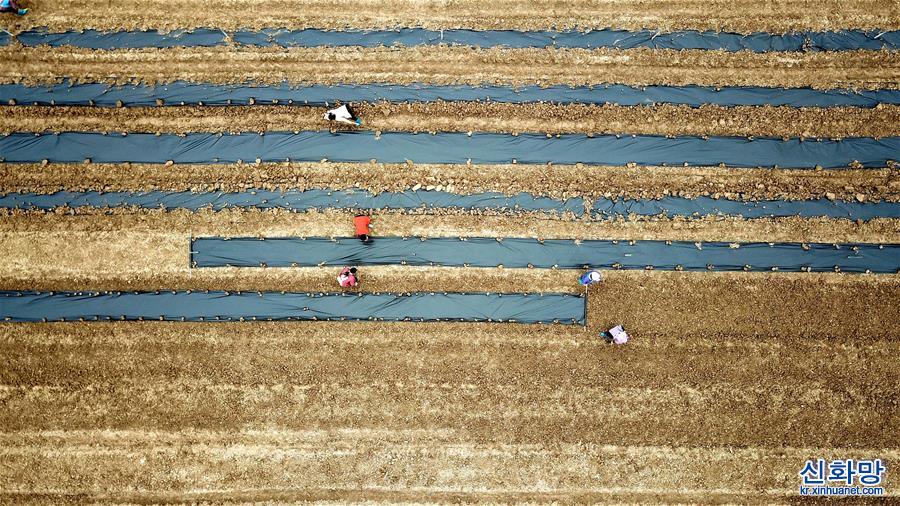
column 480, row 148
column 237, row 306
column 179, row 92
column 549, row 253
column 295, row 199
column 840, row 40
column 440, row 200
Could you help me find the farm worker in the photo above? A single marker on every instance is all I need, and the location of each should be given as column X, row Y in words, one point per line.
column 590, row 277
column 362, row 227
column 619, row 336
column 343, row 114
column 347, row 277
column 616, row 335
column 12, row 6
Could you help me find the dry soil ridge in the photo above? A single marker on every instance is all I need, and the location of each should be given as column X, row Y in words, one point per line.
column 862, row 69
column 741, row 16
column 557, row 181
column 663, row 119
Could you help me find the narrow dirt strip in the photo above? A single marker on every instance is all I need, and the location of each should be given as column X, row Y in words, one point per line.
column 333, row 223
column 556, row 181
column 742, row 16
column 453, row 65
column 766, row 121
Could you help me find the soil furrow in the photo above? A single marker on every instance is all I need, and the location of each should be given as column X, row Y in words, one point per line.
column 558, row 181
column 663, row 119
column 407, row 467
column 301, row 357
column 453, row 65
column 181, row 223
column 741, row 16
column 607, row 413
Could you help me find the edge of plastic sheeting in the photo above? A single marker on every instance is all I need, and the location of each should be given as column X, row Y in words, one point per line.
column 748, row 209
column 221, row 306
column 431, row 199
column 838, row 40
column 453, row 147
column 178, row 92
column 295, row 199
column 549, row 253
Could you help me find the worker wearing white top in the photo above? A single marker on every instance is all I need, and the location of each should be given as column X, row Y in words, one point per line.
column 619, row 336
column 616, row 335
column 343, row 114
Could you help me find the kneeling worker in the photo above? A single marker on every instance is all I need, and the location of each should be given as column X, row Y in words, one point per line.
column 347, row 277
column 615, row 335
column 343, row 114
column 590, row 277
column 361, row 223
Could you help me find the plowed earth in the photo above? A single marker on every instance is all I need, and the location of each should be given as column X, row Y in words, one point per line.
column 558, row 181
column 453, row 65
column 416, row 412
column 742, row 16
column 439, row 116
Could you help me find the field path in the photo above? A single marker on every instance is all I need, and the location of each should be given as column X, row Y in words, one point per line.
column 742, row 16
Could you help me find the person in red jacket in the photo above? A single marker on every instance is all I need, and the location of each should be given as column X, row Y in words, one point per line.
column 362, row 227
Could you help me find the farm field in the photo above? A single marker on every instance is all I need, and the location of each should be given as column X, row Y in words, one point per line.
column 174, row 212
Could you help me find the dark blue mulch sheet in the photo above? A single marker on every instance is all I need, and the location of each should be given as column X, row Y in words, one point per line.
column 424, row 199
column 224, row 306
column 840, row 40
column 480, row 148
column 220, row 94
column 294, row 199
column 562, row 253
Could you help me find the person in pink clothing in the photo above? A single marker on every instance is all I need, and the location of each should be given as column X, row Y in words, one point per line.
column 615, row 335
column 347, row 277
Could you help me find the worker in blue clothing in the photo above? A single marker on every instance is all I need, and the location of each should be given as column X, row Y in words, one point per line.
column 12, row 6
column 590, row 277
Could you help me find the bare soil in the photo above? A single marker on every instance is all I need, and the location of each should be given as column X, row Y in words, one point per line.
column 439, row 412
column 338, row 223
column 558, row 181
column 741, row 16
column 453, row 65
column 441, row 116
